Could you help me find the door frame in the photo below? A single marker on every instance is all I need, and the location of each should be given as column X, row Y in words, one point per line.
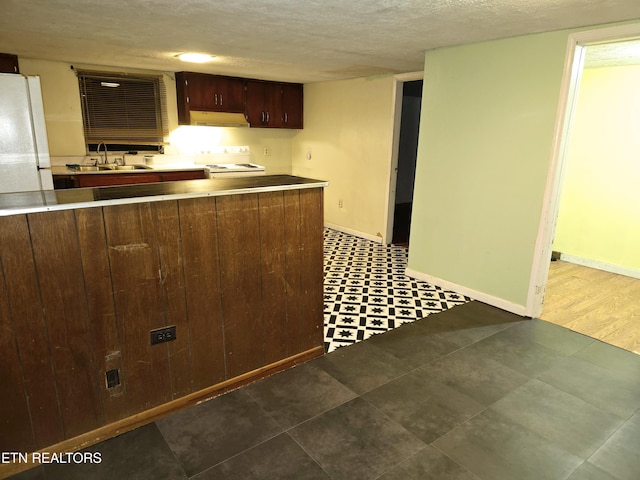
column 398, row 83
column 573, row 66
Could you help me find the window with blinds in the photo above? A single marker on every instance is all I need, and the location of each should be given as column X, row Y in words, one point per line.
column 123, row 110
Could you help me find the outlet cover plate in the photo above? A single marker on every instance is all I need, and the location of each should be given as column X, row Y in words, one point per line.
column 164, row 334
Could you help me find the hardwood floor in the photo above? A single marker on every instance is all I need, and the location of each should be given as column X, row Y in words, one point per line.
column 596, row 303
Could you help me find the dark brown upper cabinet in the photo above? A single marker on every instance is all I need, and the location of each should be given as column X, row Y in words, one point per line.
column 292, row 105
column 264, row 104
column 208, row 93
column 274, row 104
column 9, row 63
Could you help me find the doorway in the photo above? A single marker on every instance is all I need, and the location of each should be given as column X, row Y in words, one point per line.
column 406, row 166
column 551, row 279
column 591, row 287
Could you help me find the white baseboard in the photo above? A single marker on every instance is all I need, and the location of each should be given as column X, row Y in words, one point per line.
column 469, row 292
column 366, row 236
column 607, row 267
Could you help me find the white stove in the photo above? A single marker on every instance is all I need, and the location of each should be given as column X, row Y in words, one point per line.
column 228, row 170
column 229, row 162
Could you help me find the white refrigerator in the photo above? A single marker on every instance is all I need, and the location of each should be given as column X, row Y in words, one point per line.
column 25, row 164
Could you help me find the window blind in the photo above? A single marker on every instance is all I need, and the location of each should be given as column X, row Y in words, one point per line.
column 123, row 109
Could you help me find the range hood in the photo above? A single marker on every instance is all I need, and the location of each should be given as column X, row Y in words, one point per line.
column 218, row 119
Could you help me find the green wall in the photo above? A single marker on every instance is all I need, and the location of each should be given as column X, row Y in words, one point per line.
column 488, row 116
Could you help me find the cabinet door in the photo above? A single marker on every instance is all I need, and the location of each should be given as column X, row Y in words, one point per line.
column 200, row 91
column 194, row 91
column 229, row 95
column 9, row 63
column 292, row 101
column 61, row 182
column 273, row 104
column 255, row 103
column 264, row 103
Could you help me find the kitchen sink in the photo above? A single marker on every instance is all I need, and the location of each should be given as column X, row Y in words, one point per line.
column 84, row 168
column 106, row 168
column 124, row 167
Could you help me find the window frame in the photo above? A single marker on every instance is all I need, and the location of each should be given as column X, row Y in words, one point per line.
column 140, row 105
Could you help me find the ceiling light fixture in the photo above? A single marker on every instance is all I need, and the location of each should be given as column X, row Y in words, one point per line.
column 195, row 57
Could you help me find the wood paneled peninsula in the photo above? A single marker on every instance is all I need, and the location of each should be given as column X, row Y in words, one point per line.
column 89, row 275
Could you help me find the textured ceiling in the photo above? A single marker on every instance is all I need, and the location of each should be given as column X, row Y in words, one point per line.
column 295, row 40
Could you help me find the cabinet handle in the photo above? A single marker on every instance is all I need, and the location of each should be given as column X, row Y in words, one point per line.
column 262, row 117
column 187, row 99
column 220, row 99
column 215, row 98
column 267, row 117
column 285, row 117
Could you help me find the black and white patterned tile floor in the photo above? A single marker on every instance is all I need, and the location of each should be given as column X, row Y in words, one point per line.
column 366, row 291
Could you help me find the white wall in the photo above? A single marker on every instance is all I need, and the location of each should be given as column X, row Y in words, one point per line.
column 63, row 113
column 348, row 128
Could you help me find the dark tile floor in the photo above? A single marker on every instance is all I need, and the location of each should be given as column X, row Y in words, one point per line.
column 469, row 393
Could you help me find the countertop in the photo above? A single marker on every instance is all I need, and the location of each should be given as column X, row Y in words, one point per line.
column 48, row 200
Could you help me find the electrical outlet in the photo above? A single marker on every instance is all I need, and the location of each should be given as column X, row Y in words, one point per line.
column 113, row 378
column 266, row 151
column 339, row 203
column 161, row 335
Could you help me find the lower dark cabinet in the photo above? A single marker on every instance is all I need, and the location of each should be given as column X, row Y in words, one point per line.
column 106, row 180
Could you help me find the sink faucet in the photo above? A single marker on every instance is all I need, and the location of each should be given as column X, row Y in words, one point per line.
column 106, row 159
